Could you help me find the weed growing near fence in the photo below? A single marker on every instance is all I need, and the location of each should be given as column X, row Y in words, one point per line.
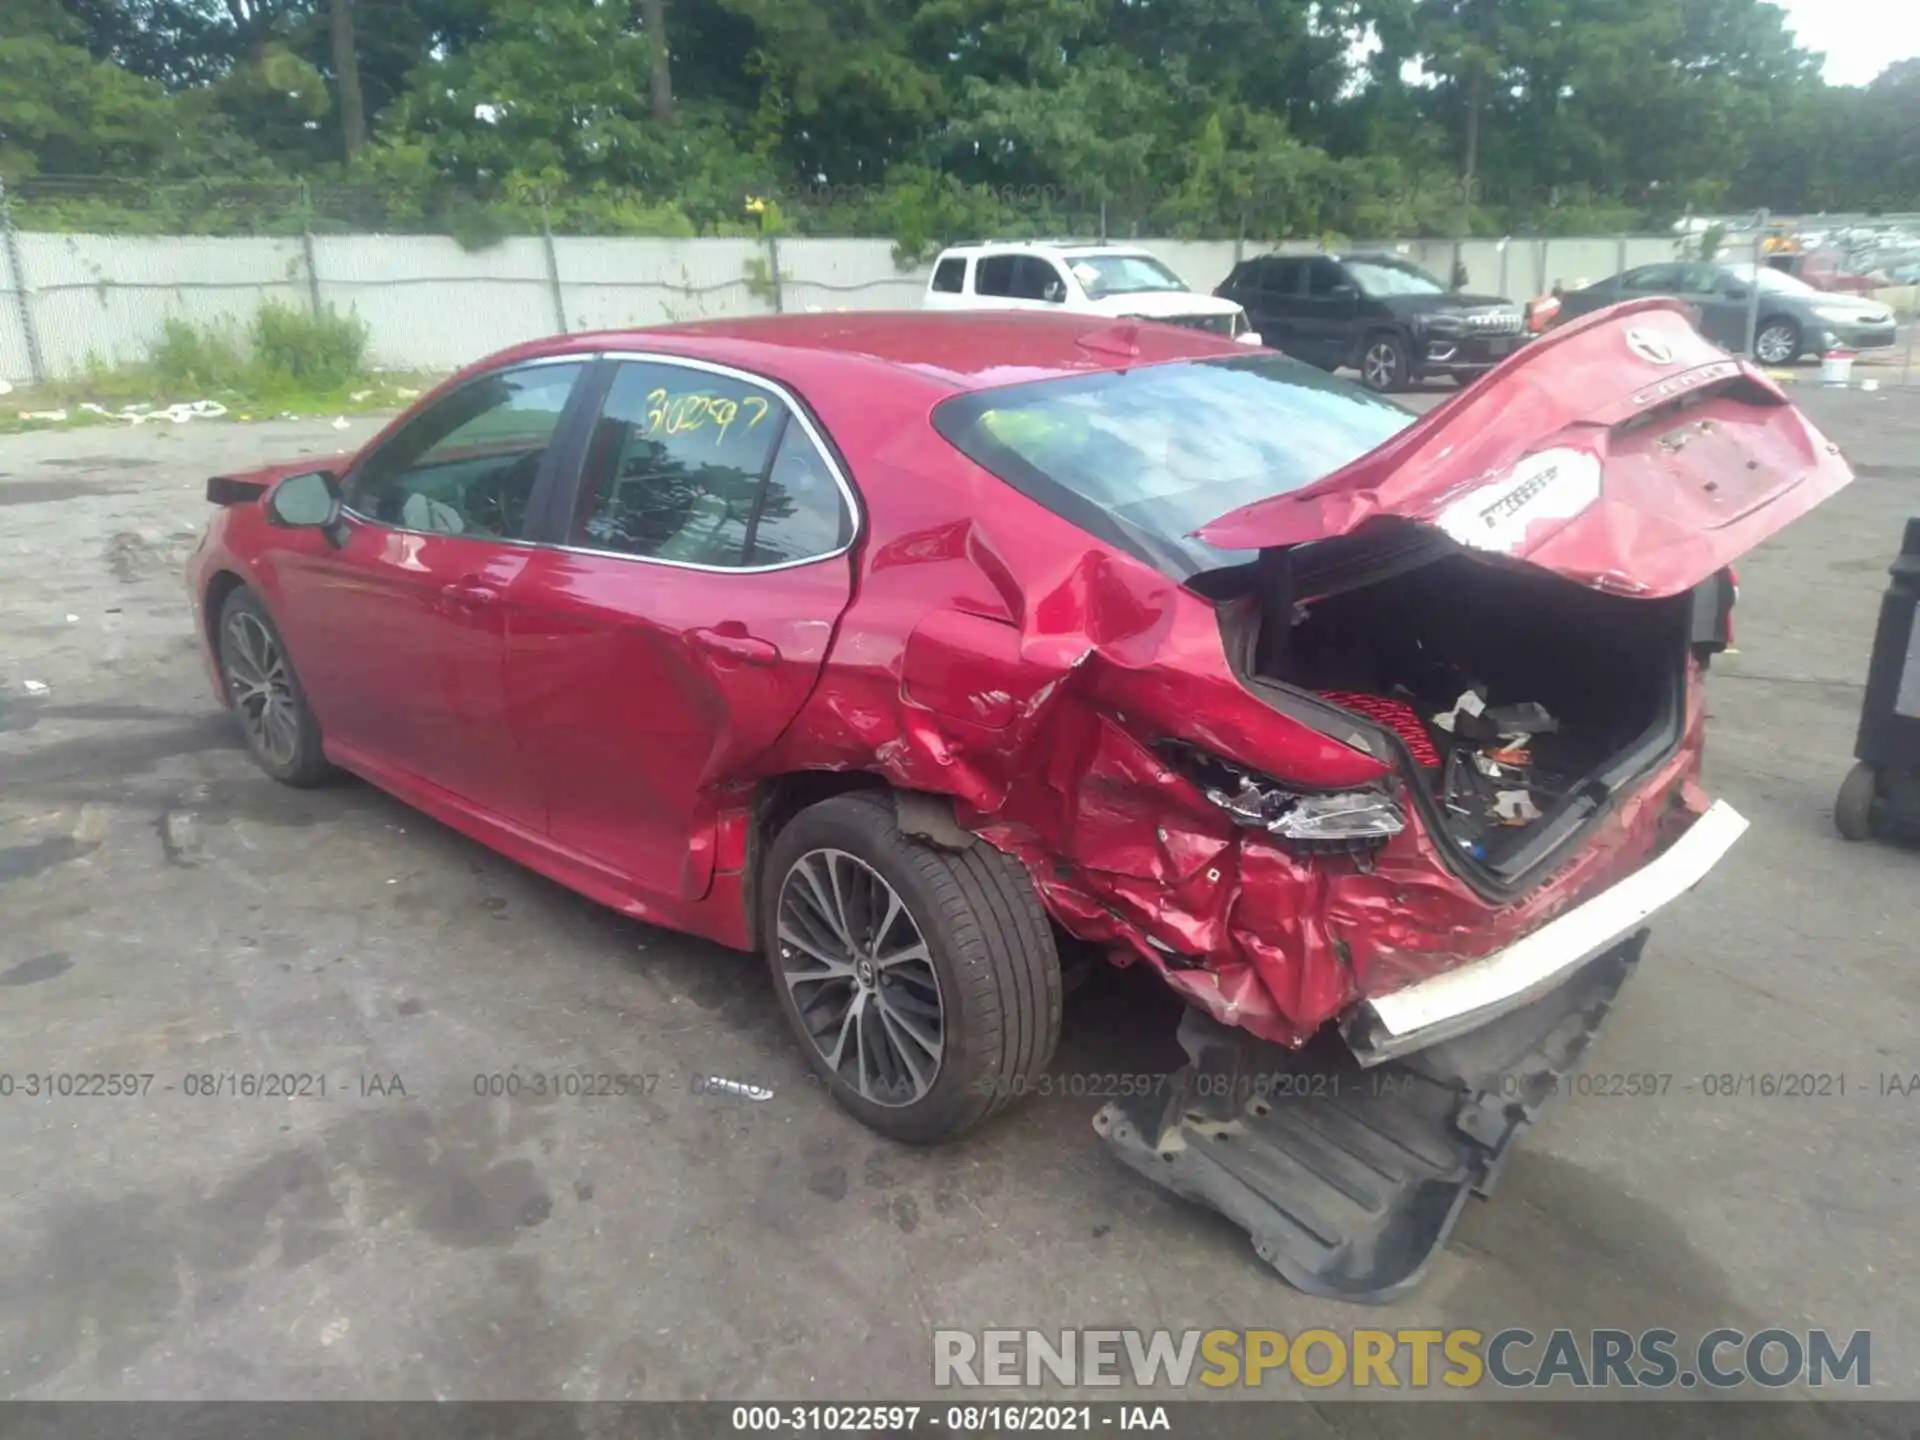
column 286, row 361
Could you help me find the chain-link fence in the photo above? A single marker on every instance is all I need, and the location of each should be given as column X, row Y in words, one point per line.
column 92, row 270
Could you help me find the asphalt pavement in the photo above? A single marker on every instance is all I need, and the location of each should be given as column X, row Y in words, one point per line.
column 167, row 910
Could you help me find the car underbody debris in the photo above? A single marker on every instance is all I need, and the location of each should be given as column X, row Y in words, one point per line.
column 1348, row 1180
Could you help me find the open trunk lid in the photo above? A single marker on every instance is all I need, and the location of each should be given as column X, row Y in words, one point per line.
column 1624, row 452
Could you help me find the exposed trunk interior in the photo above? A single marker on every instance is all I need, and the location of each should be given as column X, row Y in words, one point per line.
column 1571, row 694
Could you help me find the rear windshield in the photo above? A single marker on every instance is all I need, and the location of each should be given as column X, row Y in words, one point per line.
column 1144, row 457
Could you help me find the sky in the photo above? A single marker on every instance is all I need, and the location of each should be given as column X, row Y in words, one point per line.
column 1859, row 37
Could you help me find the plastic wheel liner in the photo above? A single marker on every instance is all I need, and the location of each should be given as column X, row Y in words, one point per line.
column 1349, row 1180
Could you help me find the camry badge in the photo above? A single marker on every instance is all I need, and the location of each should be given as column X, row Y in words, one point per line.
column 1650, row 347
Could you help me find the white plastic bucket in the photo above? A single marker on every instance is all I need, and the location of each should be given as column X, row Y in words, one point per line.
column 1836, row 367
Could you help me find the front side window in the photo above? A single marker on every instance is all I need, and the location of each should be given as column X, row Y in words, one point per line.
column 1155, row 453
column 678, row 469
column 1037, row 279
column 1324, row 277
column 467, row 464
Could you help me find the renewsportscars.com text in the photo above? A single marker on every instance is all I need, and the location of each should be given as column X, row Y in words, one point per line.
column 1512, row 1358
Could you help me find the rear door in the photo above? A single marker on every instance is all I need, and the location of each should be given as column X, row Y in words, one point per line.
column 1329, row 309
column 399, row 635
column 1274, row 302
column 681, row 623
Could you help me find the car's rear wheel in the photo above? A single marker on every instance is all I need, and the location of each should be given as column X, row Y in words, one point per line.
column 1385, row 363
column 1777, row 343
column 280, row 729
column 923, row 983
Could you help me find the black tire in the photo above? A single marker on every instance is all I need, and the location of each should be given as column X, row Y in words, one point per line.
column 1859, row 799
column 286, row 745
column 1386, row 362
column 1778, row 341
column 988, row 945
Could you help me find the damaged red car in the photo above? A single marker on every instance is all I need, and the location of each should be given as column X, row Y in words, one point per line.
column 905, row 648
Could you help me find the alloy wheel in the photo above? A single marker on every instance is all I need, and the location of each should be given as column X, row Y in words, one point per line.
column 861, row 977
column 1775, row 345
column 261, row 688
column 1380, row 365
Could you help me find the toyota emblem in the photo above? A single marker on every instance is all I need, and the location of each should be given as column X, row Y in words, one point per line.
column 1650, row 347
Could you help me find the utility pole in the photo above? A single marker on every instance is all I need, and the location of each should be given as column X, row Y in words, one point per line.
column 653, row 20
column 346, row 71
column 1753, row 291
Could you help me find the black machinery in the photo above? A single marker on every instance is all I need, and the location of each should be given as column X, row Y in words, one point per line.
column 1882, row 792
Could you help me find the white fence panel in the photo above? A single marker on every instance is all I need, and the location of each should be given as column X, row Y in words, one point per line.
column 430, row 305
column 847, row 275
column 16, row 358
column 611, row 284
column 105, row 299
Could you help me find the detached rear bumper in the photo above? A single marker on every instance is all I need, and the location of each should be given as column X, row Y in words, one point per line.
column 1465, row 999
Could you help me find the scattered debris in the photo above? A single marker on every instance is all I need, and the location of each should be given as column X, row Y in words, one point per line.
column 358, row 395
column 1514, row 807
column 73, row 619
column 34, row 687
column 720, row 1085
column 6, row 387
column 339, row 422
column 1470, row 703
column 56, row 416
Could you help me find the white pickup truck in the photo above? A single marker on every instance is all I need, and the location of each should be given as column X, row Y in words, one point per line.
column 1123, row 281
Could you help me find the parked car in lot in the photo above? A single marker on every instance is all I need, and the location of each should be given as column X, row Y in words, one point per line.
column 1084, row 277
column 897, row 646
column 1374, row 313
column 1794, row 318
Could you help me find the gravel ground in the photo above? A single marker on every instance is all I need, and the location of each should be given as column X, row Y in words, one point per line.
column 164, row 908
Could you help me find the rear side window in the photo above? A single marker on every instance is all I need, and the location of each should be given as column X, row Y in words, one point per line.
column 1280, row 277
column 948, row 275
column 1652, row 280
column 994, row 275
column 1144, row 457
column 702, row 468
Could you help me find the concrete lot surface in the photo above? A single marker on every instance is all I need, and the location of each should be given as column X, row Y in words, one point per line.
column 166, row 909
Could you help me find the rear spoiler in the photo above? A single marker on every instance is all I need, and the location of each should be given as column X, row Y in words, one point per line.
column 231, row 490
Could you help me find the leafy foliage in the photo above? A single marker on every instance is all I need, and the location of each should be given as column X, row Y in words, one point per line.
column 935, row 118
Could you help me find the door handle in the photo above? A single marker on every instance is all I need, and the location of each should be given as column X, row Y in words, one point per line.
column 736, row 645
column 468, row 593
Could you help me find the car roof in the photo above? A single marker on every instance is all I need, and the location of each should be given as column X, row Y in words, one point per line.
column 945, row 351
column 1046, row 247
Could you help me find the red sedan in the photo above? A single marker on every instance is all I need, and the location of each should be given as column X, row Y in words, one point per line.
column 894, row 646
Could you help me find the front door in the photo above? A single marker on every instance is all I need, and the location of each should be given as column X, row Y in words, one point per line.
column 399, row 635
column 683, row 623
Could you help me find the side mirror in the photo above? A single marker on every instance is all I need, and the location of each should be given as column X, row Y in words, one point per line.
column 1055, row 293
column 308, row 502
column 1249, row 337
column 1736, row 292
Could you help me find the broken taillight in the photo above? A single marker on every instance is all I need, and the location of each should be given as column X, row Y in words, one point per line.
column 1316, row 820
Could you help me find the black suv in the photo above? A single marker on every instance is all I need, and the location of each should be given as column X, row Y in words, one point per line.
column 1386, row 318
